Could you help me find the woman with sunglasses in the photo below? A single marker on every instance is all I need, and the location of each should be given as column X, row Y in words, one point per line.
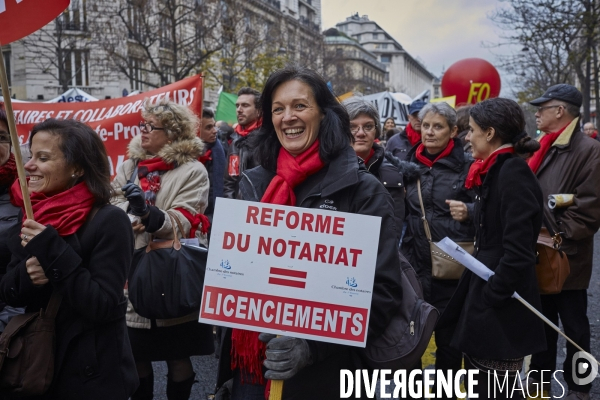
column 163, row 175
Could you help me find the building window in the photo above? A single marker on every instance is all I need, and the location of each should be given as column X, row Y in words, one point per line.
column 74, row 17
column 7, row 65
column 165, row 32
column 386, row 58
column 384, row 46
column 375, row 36
column 77, row 67
column 135, row 19
column 135, row 73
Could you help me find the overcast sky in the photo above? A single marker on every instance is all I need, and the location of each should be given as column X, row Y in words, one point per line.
column 438, row 32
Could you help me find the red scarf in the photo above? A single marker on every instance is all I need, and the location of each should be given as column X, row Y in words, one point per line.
column 427, row 161
column 247, row 352
column 8, row 172
column 545, row 143
column 371, row 153
column 249, row 128
column 149, row 176
column 594, row 135
column 65, row 211
column 413, row 136
column 195, row 220
column 206, row 157
column 481, row 167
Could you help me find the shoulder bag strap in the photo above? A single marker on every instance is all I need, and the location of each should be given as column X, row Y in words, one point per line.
column 425, row 223
column 556, row 237
column 176, row 218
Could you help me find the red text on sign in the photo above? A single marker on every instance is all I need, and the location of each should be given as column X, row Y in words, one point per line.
column 305, row 221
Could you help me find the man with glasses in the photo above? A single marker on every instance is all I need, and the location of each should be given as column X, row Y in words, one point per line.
column 590, row 130
column 399, row 145
column 568, row 162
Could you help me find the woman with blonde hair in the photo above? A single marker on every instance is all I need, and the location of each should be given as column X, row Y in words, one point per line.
column 162, row 176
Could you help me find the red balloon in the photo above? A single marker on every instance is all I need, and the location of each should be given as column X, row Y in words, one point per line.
column 19, row 18
column 471, row 80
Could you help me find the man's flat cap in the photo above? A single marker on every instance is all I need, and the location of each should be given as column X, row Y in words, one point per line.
column 562, row 91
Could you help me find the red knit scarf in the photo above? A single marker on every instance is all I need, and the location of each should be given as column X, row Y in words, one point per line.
column 206, row 157
column 594, row 135
column 545, row 143
column 244, row 131
column 247, row 352
column 413, row 136
column 424, row 160
column 65, row 211
column 481, row 167
column 8, row 172
column 371, row 154
column 149, row 176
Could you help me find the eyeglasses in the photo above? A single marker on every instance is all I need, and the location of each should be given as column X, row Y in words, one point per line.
column 540, row 109
column 148, row 127
column 366, row 129
column 4, row 137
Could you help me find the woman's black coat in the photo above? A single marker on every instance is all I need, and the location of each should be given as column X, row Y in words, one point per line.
column 444, row 181
column 89, row 268
column 344, row 186
column 491, row 324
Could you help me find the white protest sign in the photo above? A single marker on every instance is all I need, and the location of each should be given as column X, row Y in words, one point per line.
column 299, row 272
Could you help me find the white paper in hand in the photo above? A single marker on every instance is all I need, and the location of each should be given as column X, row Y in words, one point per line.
column 460, row 255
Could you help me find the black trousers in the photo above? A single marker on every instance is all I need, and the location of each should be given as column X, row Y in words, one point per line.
column 446, row 357
column 571, row 307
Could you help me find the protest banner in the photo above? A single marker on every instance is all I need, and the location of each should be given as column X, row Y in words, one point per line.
column 299, row 272
column 116, row 121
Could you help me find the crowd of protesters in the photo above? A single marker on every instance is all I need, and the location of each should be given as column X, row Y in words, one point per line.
column 472, row 174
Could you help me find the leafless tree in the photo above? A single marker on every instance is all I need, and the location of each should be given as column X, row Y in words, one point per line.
column 156, row 42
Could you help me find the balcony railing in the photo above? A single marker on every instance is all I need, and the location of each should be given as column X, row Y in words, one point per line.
column 73, row 26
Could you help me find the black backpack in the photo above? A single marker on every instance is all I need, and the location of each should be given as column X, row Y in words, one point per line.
column 404, row 341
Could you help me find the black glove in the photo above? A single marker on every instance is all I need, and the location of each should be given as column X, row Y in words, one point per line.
column 285, row 356
column 137, row 199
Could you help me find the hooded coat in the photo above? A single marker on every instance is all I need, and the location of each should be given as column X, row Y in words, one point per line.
column 444, row 181
column 185, row 186
column 391, row 172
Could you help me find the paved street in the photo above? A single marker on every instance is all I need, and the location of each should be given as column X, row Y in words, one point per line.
column 206, row 366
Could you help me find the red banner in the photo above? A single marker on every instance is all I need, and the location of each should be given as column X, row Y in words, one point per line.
column 115, row 121
column 19, row 18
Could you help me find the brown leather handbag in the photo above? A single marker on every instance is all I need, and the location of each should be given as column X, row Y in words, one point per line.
column 442, row 265
column 27, row 349
column 552, row 266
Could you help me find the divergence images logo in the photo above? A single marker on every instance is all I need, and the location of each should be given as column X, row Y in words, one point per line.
column 225, row 264
column 583, row 368
column 351, row 282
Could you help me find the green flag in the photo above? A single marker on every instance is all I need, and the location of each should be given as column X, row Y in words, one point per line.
column 226, row 108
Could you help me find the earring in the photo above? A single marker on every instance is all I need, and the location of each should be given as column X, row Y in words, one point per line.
column 73, row 176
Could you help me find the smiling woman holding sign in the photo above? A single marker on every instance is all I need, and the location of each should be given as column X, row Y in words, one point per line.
column 74, row 257
column 306, row 161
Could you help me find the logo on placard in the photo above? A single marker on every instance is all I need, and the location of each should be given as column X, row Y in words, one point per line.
column 351, row 282
column 225, row 264
column 287, row 277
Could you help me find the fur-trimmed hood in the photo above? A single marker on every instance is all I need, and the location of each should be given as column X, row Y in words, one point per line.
column 179, row 151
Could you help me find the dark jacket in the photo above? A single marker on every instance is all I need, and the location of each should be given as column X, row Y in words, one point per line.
column 399, row 146
column 215, row 167
column 93, row 356
column 572, row 166
column 391, row 173
column 508, row 215
column 9, row 220
column 240, row 158
column 344, row 186
column 444, row 181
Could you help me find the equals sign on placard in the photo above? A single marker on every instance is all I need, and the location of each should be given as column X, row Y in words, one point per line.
column 287, row 277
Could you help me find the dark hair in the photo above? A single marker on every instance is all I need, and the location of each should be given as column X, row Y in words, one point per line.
column 334, row 130
column 82, row 148
column 254, row 92
column 462, row 117
column 391, row 132
column 389, row 118
column 3, row 117
column 571, row 109
column 207, row 113
column 507, row 119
